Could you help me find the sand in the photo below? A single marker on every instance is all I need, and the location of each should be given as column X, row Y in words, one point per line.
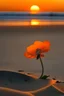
column 20, row 84
column 29, row 29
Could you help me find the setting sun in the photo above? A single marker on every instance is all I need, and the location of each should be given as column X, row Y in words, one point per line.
column 34, row 9
column 32, row 5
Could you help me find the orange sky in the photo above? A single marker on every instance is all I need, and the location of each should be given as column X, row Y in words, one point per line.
column 24, row 5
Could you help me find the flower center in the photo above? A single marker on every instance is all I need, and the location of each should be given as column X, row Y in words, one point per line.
column 38, row 51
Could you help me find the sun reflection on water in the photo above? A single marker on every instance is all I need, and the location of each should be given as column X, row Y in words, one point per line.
column 35, row 22
column 31, row 22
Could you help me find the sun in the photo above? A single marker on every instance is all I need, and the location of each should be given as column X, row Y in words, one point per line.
column 34, row 9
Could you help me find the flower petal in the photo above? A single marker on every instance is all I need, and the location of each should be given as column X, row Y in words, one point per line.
column 37, row 48
column 26, row 54
column 46, row 46
column 38, row 44
column 32, row 49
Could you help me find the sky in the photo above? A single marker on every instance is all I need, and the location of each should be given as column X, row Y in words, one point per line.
column 24, row 5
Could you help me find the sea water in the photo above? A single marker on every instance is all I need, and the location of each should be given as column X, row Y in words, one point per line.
column 26, row 19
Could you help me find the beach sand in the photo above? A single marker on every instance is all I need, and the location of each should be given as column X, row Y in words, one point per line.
column 28, row 29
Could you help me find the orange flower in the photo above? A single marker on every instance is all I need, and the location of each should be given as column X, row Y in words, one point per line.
column 37, row 48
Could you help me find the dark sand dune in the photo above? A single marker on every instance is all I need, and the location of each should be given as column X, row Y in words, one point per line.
column 50, row 91
column 15, row 80
column 14, row 77
column 59, row 87
column 18, row 84
column 21, row 81
column 11, row 92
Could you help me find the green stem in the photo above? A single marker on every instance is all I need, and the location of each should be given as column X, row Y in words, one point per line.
column 42, row 68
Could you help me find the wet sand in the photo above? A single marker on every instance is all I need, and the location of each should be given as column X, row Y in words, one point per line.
column 48, row 28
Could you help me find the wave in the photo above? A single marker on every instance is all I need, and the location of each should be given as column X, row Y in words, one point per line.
column 27, row 15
